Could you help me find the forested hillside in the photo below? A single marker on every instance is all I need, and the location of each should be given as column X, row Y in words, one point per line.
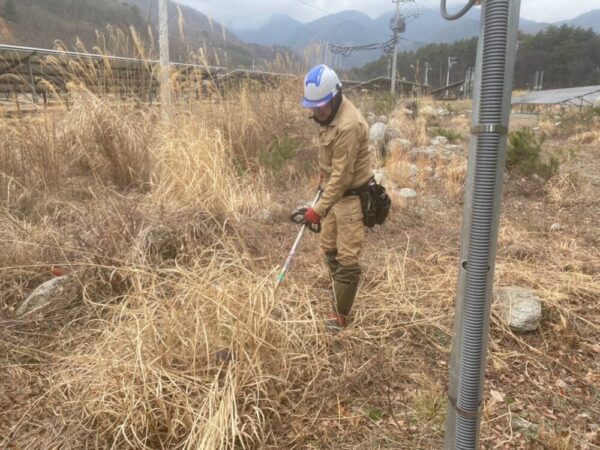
column 41, row 23
column 568, row 56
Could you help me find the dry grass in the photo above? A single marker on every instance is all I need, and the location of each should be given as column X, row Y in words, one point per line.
column 166, row 337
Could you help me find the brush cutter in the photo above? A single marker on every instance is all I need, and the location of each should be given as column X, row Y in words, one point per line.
column 296, row 217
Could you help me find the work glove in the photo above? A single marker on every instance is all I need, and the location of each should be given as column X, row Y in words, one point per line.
column 312, row 217
column 299, row 217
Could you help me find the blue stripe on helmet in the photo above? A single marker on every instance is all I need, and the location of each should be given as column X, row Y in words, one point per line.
column 314, row 76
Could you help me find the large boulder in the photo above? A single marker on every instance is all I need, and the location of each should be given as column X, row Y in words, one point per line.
column 439, row 140
column 370, row 118
column 54, row 290
column 382, row 119
column 377, row 132
column 520, row 308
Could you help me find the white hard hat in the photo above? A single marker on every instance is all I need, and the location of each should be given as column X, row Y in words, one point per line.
column 320, row 86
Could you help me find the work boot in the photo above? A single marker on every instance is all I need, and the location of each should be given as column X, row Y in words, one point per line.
column 336, row 322
column 345, row 286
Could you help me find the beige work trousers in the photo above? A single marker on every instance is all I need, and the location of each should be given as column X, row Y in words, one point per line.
column 342, row 229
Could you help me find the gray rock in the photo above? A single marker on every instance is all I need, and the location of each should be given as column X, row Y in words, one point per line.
column 439, row 140
column 555, row 227
column 413, row 169
column 407, row 193
column 519, row 424
column 382, row 119
column 371, row 118
column 423, row 153
column 377, row 132
column 442, row 112
column 448, row 155
column 391, row 134
column 520, row 308
column 43, row 295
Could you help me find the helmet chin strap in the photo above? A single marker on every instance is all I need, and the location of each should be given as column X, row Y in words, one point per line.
column 336, row 102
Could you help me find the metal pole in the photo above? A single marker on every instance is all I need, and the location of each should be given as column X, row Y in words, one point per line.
column 456, row 356
column 165, row 79
column 290, row 258
column 541, row 80
column 426, row 74
column 395, row 56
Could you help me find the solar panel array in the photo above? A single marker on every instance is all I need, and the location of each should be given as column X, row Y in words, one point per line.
column 577, row 96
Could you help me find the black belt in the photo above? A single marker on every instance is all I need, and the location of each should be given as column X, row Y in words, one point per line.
column 359, row 190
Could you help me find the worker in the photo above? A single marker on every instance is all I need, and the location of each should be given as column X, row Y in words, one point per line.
column 345, row 169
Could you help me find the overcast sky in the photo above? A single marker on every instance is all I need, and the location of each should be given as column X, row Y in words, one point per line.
column 240, row 12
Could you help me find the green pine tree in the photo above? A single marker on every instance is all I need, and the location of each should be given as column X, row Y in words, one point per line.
column 10, row 11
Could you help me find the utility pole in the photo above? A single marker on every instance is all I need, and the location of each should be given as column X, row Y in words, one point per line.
column 398, row 25
column 451, row 61
column 395, row 55
column 427, row 69
column 163, row 42
column 389, row 68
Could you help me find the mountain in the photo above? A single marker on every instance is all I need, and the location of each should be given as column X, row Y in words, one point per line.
column 356, row 28
column 276, row 31
column 590, row 19
column 40, row 23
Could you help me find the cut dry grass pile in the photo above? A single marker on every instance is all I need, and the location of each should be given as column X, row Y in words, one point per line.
column 170, row 336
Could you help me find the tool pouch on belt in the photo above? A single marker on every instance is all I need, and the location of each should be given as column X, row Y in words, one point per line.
column 375, row 202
